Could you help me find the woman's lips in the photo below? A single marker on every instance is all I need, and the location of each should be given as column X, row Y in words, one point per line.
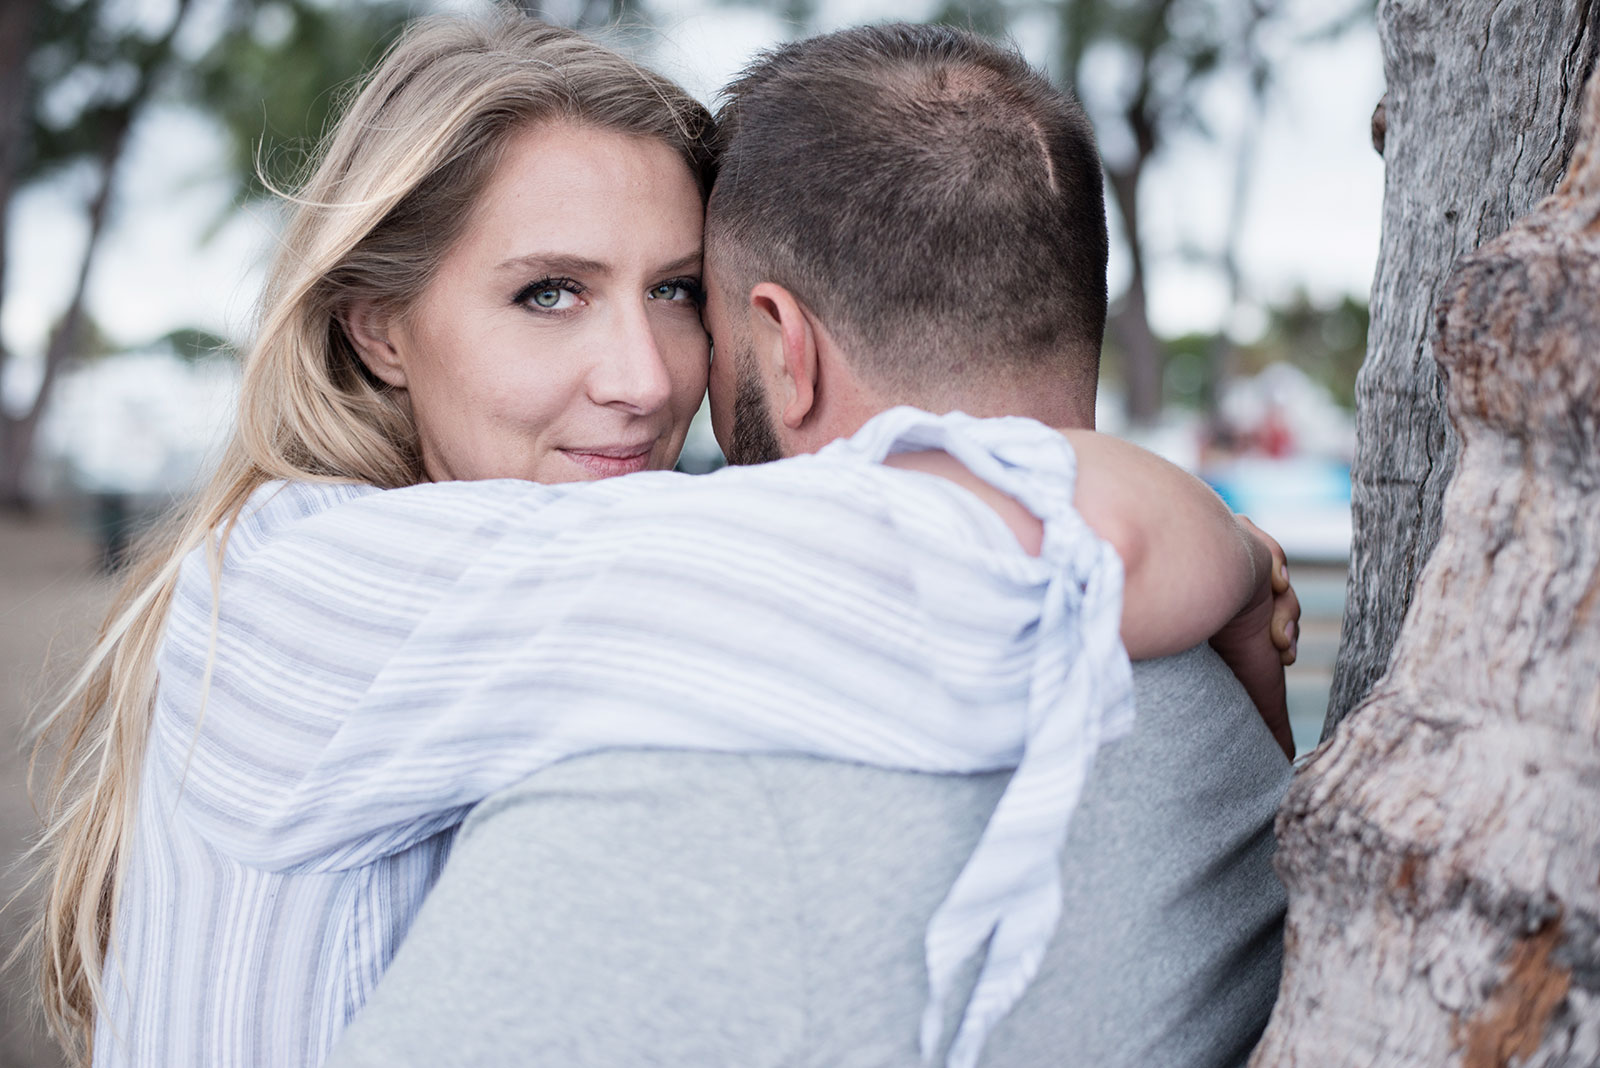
column 610, row 461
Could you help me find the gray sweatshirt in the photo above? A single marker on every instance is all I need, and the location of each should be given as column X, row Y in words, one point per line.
column 674, row 908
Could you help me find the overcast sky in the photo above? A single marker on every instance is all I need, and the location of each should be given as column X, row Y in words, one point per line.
column 1313, row 216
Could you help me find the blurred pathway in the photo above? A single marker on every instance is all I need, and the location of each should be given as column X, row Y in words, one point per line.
column 51, row 598
column 1321, row 593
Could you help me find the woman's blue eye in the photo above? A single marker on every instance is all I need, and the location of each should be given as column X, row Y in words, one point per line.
column 681, row 290
column 549, row 295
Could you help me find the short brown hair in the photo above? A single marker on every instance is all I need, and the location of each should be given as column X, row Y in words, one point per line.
column 932, row 197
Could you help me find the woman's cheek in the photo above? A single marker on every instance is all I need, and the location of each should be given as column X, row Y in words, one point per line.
column 689, row 362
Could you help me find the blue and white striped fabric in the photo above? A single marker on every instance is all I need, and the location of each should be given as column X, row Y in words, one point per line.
column 386, row 659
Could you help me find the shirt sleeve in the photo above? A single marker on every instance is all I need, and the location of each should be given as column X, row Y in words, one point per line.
column 385, row 664
column 266, row 664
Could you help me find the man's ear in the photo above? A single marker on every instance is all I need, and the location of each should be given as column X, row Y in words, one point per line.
column 785, row 339
column 368, row 330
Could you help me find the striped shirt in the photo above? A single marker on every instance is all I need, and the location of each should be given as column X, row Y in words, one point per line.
column 383, row 660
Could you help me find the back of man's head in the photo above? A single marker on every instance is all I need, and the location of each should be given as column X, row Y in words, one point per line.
column 935, row 201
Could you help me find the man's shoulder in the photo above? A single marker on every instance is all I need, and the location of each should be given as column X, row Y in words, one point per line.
column 1194, row 678
column 1195, row 725
column 1166, row 872
column 1171, row 847
column 786, row 898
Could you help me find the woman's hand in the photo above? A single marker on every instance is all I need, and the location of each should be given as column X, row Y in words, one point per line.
column 1285, row 604
column 1263, row 639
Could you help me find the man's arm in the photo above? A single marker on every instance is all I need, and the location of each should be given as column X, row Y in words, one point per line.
column 592, row 927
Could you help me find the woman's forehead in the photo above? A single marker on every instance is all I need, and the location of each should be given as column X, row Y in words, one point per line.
column 617, row 201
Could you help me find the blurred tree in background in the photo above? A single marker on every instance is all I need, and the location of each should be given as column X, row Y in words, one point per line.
column 273, row 79
column 1166, row 50
column 1326, row 341
column 77, row 76
column 190, row 343
column 80, row 74
column 583, row 14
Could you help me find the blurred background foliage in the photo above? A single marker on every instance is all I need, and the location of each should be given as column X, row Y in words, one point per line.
column 275, row 76
column 77, row 75
column 1326, row 341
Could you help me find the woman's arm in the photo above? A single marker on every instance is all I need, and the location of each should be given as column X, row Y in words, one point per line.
column 1191, row 568
column 382, row 665
column 1192, row 571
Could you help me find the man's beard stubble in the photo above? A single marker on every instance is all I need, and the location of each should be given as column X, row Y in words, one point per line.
column 753, row 439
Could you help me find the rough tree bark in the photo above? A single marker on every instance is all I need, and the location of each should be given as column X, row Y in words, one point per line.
column 1482, row 111
column 1442, row 852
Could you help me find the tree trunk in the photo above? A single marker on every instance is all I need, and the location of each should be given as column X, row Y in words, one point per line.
column 1482, row 111
column 1129, row 323
column 21, row 430
column 13, row 468
column 16, row 38
column 1442, row 853
column 17, row 433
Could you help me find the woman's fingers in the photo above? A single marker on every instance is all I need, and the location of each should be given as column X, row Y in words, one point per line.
column 1285, row 604
column 1286, row 625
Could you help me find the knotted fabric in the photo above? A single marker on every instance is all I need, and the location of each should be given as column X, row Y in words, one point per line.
column 1080, row 694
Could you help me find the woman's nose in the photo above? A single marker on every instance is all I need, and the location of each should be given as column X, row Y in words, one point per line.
column 631, row 372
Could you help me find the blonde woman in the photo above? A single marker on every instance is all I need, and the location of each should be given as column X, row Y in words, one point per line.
column 375, row 615
column 571, row 137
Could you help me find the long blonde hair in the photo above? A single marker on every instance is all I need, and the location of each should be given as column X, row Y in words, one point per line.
column 391, row 189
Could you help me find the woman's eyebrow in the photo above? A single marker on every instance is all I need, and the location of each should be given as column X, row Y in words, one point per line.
column 557, row 263
column 566, row 263
column 691, row 262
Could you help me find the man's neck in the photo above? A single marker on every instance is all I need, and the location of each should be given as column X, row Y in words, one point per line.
column 845, row 400
column 1046, row 400
column 1045, row 397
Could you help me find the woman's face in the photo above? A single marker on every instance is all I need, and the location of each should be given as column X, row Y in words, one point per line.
column 561, row 338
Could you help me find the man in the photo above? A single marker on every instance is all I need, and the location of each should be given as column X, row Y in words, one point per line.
column 904, row 215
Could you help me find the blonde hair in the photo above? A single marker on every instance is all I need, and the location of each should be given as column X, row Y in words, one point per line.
column 391, row 189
